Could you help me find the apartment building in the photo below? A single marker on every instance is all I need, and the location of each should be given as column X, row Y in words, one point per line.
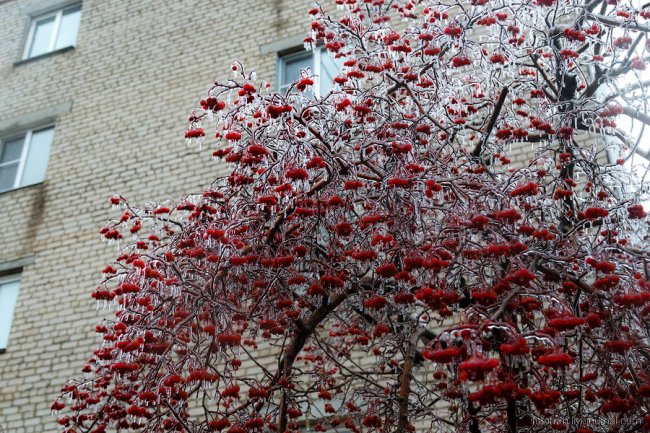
column 94, row 97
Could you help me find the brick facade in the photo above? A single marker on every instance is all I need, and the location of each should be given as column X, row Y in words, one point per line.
column 119, row 101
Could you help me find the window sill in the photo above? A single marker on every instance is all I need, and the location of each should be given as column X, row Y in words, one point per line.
column 6, row 191
column 44, row 55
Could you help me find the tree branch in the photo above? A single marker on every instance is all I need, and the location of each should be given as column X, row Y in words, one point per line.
column 493, row 120
column 614, row 22
column 637, row 114
column 298, row 343
column 405, row 383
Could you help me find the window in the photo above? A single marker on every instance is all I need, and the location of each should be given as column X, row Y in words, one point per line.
column 315, row 414
column 23, row 158
column 317, row 61
column 53, row 31
column 8, row 295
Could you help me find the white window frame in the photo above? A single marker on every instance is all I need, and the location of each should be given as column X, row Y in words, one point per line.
column 315, row 53
column 58, row 14
column 27, row 142
column 4, row 280
column 282, row 60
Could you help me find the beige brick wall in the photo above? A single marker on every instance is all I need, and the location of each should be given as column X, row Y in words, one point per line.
column 138, row 68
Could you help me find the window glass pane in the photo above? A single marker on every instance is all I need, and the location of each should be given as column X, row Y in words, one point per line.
column 11, row 150
column 8, row 296
column 41, row 38
column 292, row 66
column 67, row 35
column 329, row 69
column 8, row 176
column 37, row 156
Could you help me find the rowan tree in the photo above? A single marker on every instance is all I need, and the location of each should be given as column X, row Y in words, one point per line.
column 375, row 261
